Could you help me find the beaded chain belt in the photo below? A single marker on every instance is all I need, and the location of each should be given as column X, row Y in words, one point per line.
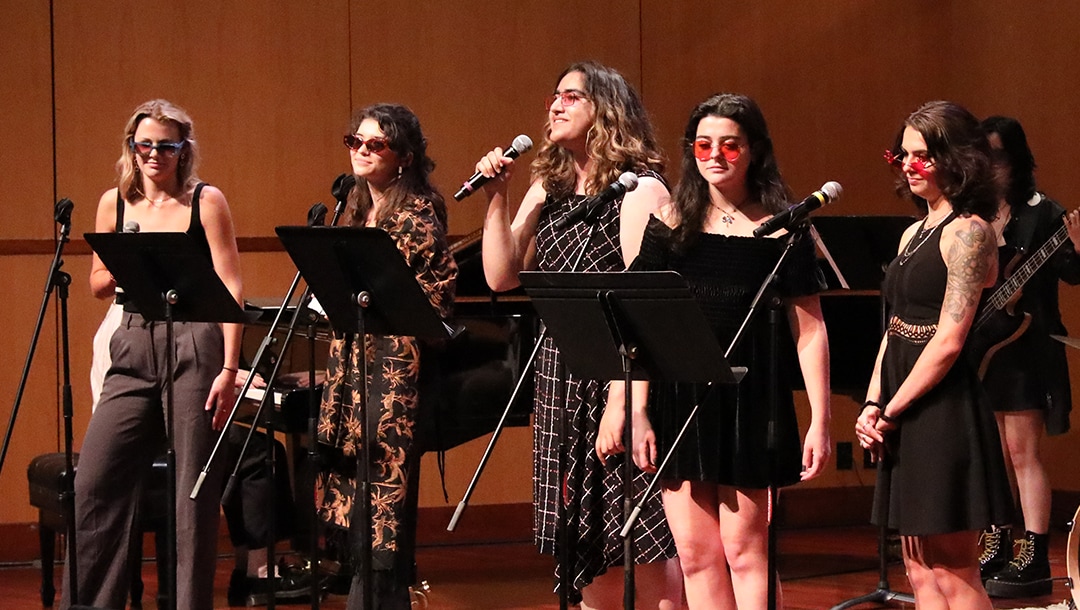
column 916, row 333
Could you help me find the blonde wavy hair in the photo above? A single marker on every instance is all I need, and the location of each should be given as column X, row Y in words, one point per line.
column 620, row 139
column 163, row 111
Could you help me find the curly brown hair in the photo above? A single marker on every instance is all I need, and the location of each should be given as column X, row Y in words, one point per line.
column 961, row 153
column 620, row 139
column 404, row 137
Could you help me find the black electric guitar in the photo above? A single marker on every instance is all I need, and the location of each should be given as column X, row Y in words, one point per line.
column 999, row 322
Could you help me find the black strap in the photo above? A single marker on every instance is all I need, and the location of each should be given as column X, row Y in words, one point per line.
column 196, row 220
column 119, row 211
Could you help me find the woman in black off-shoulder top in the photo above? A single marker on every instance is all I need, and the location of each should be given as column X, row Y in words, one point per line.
column 716, row 492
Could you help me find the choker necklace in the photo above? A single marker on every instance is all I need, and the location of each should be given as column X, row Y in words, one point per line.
column 157, row 202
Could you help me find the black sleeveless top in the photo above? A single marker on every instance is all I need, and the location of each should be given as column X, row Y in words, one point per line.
column 195, row 228
column 914, row 285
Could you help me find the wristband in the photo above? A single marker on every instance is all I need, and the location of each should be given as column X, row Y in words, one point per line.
column 230, row 369
column 872, row 403
column 885, row 418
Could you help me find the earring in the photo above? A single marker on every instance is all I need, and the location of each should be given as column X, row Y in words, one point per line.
column 400, row 169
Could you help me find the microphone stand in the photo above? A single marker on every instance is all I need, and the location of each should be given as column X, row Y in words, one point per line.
column 565, row 580
column 774, row 303
column 883, row 593
column 313, row 461
column 60, row 280
column 316, row 215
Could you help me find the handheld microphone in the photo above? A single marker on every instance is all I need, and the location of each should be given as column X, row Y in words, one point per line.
column 316, row 216
column 521, row 144
column 794, row 215
column 627, row 182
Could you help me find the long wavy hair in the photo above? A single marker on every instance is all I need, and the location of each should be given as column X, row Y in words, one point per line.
column 620, row 139
column 1019, row 173
column 403, row 134
column 961, row 153
column 763, row 180
column 166, row 112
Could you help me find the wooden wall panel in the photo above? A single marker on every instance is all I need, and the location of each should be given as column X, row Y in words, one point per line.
column 828, row 77
column 477, row 77
column 266, row 89
column 271, row 92
column 26, row 173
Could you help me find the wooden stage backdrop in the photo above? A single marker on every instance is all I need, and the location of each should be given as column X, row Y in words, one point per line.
column 271, row 87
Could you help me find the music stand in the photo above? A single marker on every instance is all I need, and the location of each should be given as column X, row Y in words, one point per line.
column 169, row 279
column 627, row 325
column 365, row 286
column 858, row 248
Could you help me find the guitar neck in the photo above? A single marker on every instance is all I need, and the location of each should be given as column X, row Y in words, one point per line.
column 1024, row 272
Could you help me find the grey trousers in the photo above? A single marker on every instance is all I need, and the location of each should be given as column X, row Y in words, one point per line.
column 125, row 435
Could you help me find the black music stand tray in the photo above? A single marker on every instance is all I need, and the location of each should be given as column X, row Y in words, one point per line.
column 170, row 279
column 628, row 325
column 858, row 248
column 365, row 286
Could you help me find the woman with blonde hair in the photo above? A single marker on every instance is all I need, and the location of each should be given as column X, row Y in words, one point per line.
column 160, row 190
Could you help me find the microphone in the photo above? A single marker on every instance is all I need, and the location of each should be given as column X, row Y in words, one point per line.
column 130, row 226
column 627, row 182
column 521, row 144
column 794, row 215
column 62, row 211
column 316, row 216
column 340, row 190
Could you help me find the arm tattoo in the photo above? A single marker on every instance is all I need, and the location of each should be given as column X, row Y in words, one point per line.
column 968, row 263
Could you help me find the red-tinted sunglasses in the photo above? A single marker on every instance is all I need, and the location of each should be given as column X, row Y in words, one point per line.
column 731, row 150
column 919, row 164
column 374, row 145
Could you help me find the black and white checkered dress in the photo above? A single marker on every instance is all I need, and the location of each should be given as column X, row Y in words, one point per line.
column 593, row 491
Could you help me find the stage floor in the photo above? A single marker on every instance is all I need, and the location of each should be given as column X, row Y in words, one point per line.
column 819, row 568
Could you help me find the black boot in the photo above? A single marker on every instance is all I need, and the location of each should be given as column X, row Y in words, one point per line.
column 996, row 544
column 1028, row 574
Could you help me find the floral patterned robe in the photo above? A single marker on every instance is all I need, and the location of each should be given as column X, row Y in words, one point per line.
column 393, row 385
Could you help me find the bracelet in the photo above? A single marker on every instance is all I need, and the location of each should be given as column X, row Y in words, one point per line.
column 885, row 418
column 230, row 369
column 872, row 403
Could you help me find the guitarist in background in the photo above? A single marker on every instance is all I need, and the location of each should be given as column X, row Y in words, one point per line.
column 1027, row 381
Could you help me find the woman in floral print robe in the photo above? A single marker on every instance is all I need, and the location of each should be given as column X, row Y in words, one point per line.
column 389, row 159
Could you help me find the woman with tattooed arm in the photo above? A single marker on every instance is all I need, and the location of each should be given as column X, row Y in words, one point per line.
column 943, row 475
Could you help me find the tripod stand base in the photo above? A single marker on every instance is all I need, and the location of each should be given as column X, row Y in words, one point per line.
column 880, row 596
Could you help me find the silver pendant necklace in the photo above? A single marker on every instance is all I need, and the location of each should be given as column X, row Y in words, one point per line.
column 726, row 217
column 920, row 238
